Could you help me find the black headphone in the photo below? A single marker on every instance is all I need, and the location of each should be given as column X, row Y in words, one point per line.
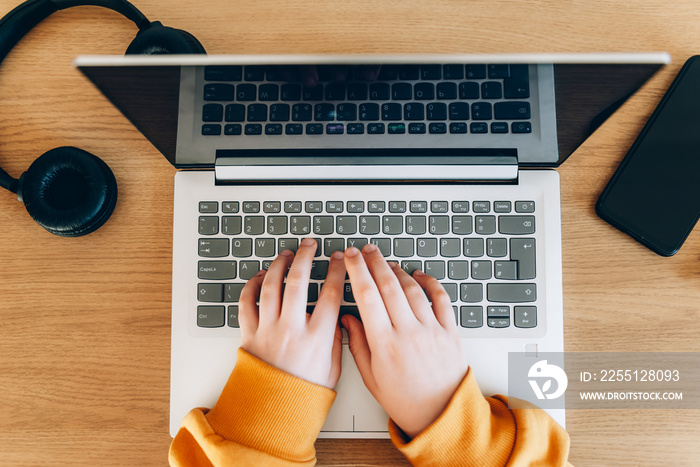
column 68, row 191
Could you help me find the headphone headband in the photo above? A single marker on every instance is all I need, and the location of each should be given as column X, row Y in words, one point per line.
column 18, row 22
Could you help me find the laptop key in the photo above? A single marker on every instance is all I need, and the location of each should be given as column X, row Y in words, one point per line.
column 485, row 225
column 254, row 225
column 410, row 266
column 216, row 270
column 232, row 292
column 233, row 129
column 505, row 270
column 231, row 225
column 369, row 111
column 403, row 247
column 517, row 86
column 291, row 244
column 449, row 248
column 375, row 129
column 384, row 245
column 213, row 247
column 473, row 247
column 458, row 270
column 437, row 128
column 525, row 316
column 331, row 245
column 253, row 129
column 210, row 292
column 481, row 270
column 319, row 270
column 302, row 112
column 427, row 247
column 212, row 113
column 208, row 206
column 346, row 225
column 248, row 269
column 323, row 225
column 300, row 225
column 435, row 269
column 211, row 316
column 516, row 225
column 512, row 110
column 233, row 316
column 242, row 247
column 265, row 247
column 218, row 92
column 522, row 250
column 471, row 293
column 471, row 316
column 515, row 293
column 208, row 225
column 211, row 129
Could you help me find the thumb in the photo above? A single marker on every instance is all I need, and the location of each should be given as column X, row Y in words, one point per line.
column 359, row 348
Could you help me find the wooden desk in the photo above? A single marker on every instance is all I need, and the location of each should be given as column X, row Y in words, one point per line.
column 85, row 322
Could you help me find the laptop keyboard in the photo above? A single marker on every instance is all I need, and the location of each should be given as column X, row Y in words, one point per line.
column 482, row 251
column 249, row 101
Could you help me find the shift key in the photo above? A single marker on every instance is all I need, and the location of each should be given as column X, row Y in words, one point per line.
column 515, row 293
column 522, row 250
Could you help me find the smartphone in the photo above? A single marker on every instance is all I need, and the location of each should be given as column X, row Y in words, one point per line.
column 654, row 196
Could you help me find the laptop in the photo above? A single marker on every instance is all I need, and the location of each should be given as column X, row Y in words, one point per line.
column 445, row 162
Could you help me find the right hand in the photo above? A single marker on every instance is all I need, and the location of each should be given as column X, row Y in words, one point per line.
column 408, row 353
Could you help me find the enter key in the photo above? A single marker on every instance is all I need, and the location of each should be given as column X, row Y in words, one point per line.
column 522, row 250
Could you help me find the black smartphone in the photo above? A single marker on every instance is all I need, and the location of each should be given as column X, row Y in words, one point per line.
column 654, row 196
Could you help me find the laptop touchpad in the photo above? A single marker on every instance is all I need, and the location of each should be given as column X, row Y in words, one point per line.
column 354, row 409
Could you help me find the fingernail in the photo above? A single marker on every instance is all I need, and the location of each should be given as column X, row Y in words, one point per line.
column 369, row 248
column 261, row 272
column 287, row 253
column 337, row 255
column 393, row 264
column 418, row 272
column 308, row 242
column 352, row 251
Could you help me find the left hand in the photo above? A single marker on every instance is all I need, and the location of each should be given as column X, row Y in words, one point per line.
column 280, row 332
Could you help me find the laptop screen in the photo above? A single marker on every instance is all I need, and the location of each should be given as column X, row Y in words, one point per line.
column 446, row 100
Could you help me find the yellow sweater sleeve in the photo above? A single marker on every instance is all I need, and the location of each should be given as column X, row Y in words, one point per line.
column 478, row 431
column 264, row 416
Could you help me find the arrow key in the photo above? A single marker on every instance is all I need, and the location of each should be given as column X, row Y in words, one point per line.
column 525, row 316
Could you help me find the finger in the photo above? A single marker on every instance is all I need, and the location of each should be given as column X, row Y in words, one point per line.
column 394, row 298
column 296, row 293
column 360, row 350
column 369, row 300
column 325, row 313
column 415, row 296
column 339, row 73
column 247, row 305
column 336, row 355
column 369, row 72
column 271, row 292
column 442, row 307
column 309, row 75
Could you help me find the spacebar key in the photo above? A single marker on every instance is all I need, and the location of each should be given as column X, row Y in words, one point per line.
column 516, row 293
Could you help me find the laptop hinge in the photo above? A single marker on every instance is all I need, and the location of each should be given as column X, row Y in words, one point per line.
column 365, row 168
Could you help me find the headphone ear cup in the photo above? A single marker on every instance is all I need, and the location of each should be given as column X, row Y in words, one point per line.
column 157, row 39
column 68, row 191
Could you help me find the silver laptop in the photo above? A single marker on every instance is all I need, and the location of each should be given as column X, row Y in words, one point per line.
column 444, row 162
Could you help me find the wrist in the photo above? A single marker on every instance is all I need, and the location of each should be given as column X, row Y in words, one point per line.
column 268, row 409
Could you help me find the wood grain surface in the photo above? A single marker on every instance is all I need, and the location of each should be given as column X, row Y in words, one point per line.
column 85, row 322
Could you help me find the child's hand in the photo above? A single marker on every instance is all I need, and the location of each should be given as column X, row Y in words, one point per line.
column 280, row 332
column 409, row 354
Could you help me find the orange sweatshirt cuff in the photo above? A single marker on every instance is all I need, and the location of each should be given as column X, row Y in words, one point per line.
column 472, row 431
column 270, row 410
